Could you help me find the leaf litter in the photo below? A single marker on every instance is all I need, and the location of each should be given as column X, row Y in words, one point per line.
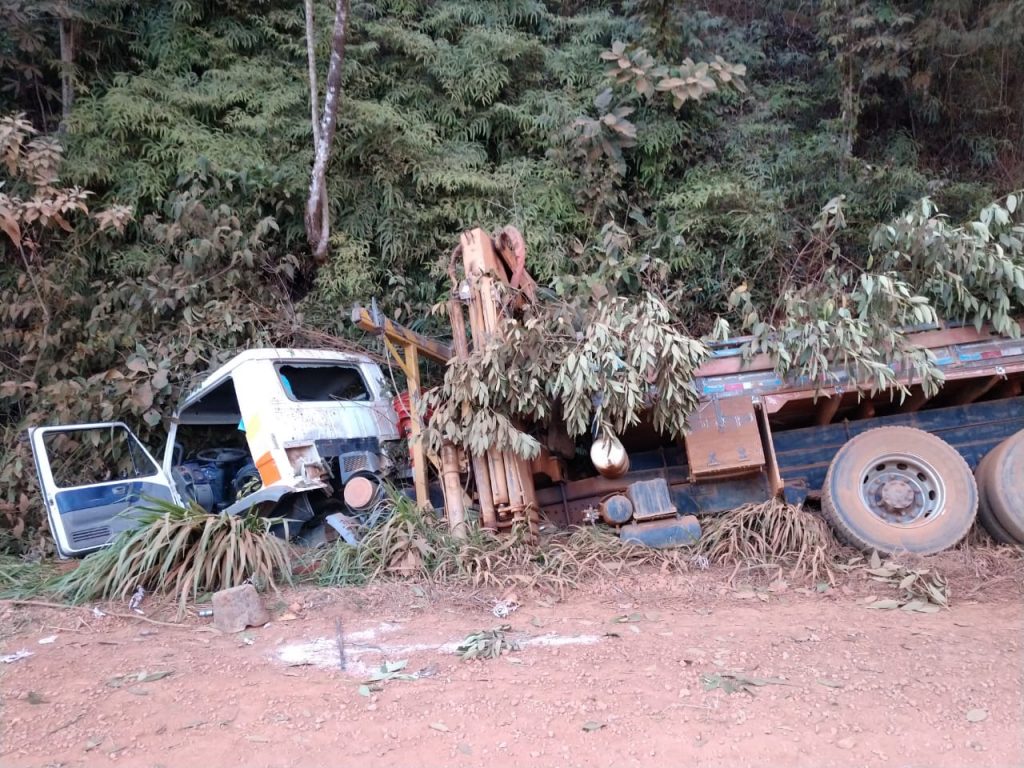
column 737, row 682
column 921, row 590
column 119, row 681
column 487, row 644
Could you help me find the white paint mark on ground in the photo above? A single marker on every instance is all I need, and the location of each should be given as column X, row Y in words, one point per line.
column 365, row 651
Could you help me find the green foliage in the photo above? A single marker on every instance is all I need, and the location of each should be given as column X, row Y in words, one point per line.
column 598, row 364
column 181, row 551
column 99, row 328
column 647, row 147
column 22, row 579
column 850, row 329
column 844, row 326
column 973, row 273
column 851, row 324
column 973, row 107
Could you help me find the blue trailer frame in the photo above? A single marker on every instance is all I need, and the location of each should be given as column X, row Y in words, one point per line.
column 802, row 455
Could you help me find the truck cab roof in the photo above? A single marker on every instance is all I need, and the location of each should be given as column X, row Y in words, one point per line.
column 245, row 359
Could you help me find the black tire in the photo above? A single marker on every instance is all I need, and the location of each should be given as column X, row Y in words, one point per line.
column 983, row 475
column 1005, row 485
column 904, row 463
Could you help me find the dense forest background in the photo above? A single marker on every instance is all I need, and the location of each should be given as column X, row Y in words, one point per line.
column 735, row 157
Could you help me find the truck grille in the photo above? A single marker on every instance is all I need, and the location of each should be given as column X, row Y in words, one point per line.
column 354, row 463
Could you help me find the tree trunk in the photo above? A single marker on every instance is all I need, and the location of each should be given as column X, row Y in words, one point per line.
column 317, row 229
column 314, row 99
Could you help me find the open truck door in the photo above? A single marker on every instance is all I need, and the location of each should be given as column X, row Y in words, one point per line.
column 94, row 478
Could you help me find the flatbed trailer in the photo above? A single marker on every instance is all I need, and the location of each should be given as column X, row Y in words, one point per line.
column 892, row 470
column 755, row 436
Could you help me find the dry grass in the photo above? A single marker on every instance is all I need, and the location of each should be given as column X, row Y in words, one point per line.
column 772, row 534
column 412, row 545
column 181, row 551
column 980, row 565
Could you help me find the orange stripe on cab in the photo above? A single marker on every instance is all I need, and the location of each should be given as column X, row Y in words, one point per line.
column 267, row 468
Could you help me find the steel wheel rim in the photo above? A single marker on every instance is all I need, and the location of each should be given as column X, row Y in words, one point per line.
column 903, row 490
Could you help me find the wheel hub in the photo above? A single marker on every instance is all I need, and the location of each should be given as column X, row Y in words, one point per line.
column 897, row 495
column 903, row 490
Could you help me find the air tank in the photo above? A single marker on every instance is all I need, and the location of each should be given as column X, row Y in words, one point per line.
column 609, row 457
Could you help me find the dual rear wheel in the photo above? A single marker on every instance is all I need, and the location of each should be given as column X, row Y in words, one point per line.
column 1000, row 477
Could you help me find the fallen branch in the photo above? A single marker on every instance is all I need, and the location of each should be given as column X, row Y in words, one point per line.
column 989, row 583
column 64, row 725
column 42, row 604
column 341, row 643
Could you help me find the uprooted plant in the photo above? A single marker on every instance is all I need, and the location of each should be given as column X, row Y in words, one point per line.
column 181, row 551
column 772, row 533
column 404, row 544
column 21, row 579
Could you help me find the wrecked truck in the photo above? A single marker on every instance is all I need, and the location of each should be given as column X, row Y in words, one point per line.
column 307, row 436
column 891, row 471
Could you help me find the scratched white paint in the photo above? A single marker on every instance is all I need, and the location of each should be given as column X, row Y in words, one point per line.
column 273, row 421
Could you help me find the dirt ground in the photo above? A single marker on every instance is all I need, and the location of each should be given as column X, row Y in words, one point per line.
column 618, row 674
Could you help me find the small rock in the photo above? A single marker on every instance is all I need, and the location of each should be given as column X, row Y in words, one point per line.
column 976, row 715
column 236, row 608
column 846, row 743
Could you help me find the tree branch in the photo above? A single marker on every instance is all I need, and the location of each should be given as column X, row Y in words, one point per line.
column 317, row 229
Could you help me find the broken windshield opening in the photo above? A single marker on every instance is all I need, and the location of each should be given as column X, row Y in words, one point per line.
column 323, row 383
column 219, row 405
column 99, row 455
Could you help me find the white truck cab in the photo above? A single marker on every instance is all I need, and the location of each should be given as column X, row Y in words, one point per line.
column 284, row 430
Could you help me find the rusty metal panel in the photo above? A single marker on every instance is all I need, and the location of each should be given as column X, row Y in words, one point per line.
column 650, row 499
column 724, row 439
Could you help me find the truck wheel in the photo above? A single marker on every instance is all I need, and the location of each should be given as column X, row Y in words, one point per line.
column 1004, row 487
column 985, row 479
column 899, row 489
